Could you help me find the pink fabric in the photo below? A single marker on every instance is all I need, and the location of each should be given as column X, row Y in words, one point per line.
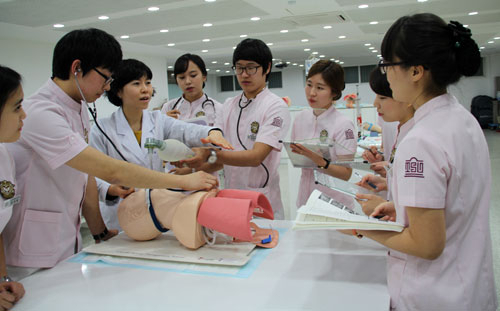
column 227, row 215
column 270, row 114
column 7, row 173
column 45, row 226
column 443, row 163
column 337, row 127
column 262, row 206
column 193, row 110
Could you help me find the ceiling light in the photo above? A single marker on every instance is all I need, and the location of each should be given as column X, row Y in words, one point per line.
column 472, row 13
column 125, row 36
column 243, row 36
column 214, row 62
column 481, row 48
column 103, row 17
column 374, row 23
column 421, row 0
column 342, row 37
column 363, row 6
column 204, row 51
column 234, row 48
column 227, row 71
column 315, row 53
column 322, row 56
column 287, row 63
column 170, row 67
column 164, row 30
column 207, row 25
column 208, row 69
column 301, row 65
column 255, row 19
column 304, row 40
column 270, row 43
column 374, row 51
column 341, row 63
column 218, row 70
column 153, row 9
column 294, row 64
column 378, row 55
column 466, row 26
column 171, row 44
column 368, row 44
column 58, row 25
column 206, row 40
column 284, row 31
column 371, row 48
column 497, row 38
column 210, row 0
column 332, row 59
column 327, row 27
column 337, row 61
column 227, row 64
column 307, row 50
column 490, row 42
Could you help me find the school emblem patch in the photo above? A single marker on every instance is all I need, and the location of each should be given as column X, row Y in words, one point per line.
column 254, row 127
column 278, row 122
column 414, row 168
column 323, row 135
column 200, row 114
column 7, row 189
column 349, row 134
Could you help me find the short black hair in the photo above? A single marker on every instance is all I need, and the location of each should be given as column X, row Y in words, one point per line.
column 128, row 70
column 182, row 64
column 10, row 80
column 332, row 73
column 447, row 50
column 93, row 47
column 255, row 50
column 379, row 83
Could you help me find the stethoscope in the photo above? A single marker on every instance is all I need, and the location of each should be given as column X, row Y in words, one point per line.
column 239, row 139
column 207, row 101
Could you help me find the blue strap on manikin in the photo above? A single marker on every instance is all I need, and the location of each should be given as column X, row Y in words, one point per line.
column 152, row 212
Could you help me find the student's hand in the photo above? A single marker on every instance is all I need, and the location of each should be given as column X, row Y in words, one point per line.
column 7, row 300
column 111, row 233
column 14, row 288
column 174, row 113
column 387, row 209
column 119, row 191
column 299, row 149
column 181, row 170
column 372, row 155
column 199, row 181
column 200, row 157
column 379, row 182
column 379, row 168
column 372, row 201
column 215, row 137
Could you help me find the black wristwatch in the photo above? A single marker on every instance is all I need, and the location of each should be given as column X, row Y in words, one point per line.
column 6, row 278
column 326, row 165
column 101, row 235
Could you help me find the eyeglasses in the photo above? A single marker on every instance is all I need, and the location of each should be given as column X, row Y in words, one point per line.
column 107, row 80
column 382, row 65
column 250, row 70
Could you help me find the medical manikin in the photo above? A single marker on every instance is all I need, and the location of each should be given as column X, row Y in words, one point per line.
column 197, row 218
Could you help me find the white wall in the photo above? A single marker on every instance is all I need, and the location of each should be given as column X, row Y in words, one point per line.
column 33, row 60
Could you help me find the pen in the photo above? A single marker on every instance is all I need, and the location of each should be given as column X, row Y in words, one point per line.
column 369, row 149
column 368, row 182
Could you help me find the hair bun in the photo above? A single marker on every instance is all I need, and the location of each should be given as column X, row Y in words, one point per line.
column 467, row 52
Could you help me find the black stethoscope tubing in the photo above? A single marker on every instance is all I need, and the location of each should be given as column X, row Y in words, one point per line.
column 207, row 101
column 239, row 139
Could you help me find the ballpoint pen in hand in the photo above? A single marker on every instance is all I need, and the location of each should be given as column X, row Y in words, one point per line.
column 368, row 182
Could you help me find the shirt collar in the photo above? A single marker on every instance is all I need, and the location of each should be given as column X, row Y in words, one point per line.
column 257, row 98
column 433, row 104
column 62, row 97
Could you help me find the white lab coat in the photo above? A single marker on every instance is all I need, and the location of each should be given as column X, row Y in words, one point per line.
column 154, row 124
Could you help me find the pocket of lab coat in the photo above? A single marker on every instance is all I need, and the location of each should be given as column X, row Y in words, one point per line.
column 40, row 233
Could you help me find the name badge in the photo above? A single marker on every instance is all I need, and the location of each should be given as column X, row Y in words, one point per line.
column 11, row 202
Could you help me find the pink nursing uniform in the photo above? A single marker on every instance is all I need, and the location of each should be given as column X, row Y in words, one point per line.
column 202, row 107
column 333, row 125
column 264, row 119
column 8, row 187
column 45, row 225
column 443, row 163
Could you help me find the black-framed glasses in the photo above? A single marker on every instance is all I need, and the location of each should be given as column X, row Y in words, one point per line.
column 382, row 65
column 107, row 80
column 250, row 70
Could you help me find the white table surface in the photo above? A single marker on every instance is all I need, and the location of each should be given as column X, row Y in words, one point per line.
column 308, row 270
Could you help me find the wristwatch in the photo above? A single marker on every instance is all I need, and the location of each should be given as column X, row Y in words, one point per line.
column 326, row 165
column 212, row 158
column 6, row 278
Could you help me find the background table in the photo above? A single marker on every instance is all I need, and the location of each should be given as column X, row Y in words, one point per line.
column 309, row 270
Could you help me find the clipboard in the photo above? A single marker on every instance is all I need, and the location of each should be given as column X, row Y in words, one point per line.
column 300, row 161
column 339, row 185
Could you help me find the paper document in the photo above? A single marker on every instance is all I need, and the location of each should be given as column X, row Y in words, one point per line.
column 323, row 212
column 298, row 160
column 339, row 185
column 167, row 248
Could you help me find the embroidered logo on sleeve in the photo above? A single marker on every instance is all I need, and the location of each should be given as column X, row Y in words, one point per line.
column 414, row 168
column 349, row 134
column 278, row 122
